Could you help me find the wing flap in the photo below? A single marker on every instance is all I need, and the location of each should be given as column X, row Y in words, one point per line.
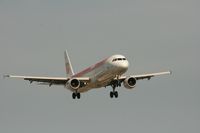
column 146, row 76
column 150, row 75
column 47, row 80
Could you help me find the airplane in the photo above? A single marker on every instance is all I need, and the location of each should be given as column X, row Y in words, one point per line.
column 108, row 72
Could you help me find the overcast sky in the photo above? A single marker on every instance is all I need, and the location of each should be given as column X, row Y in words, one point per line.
column 154, row 35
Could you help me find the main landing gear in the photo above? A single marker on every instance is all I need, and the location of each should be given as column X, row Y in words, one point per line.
column 114, row 93
column 76, row 94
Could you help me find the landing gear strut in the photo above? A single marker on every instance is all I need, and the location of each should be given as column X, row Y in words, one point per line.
column 114, row 84
column 114, row 93
column 76, row 94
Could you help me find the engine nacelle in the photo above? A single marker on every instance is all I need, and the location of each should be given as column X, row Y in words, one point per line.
column 73, row 84
column 130, row 83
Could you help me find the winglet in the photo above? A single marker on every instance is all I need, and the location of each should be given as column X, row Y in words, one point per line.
column 68, row 65
column 6, row 76
column 170, row 72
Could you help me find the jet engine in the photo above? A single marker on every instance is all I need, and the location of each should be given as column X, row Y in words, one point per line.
column 73, row 84
column 130, row 83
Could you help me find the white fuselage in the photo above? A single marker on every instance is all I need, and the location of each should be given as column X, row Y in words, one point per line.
column 102, row 73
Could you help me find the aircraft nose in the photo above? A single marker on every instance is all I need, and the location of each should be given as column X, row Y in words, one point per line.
column 124, row 65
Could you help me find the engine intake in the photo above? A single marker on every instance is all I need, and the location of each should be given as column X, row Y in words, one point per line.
column 130, row 82
column 74, row 83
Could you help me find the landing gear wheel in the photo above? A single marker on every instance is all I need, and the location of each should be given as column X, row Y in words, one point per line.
column 78, row 95
column 74, row 95
column 111, row 94
column 116, row 94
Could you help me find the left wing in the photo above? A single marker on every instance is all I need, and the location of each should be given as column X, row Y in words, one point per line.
column 146, row 76
column 47, row 80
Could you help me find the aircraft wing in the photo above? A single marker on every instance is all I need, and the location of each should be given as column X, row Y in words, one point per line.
column 47, row 80
column 146, row 76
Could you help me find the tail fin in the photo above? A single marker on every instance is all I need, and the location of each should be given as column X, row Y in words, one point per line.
column 68, row 65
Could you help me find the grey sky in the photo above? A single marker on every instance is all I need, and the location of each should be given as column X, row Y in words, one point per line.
column 153, row 35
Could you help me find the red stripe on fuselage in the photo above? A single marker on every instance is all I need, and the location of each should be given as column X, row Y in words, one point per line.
column 89, row 69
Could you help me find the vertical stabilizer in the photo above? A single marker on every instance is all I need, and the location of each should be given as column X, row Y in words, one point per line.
column 68, row 65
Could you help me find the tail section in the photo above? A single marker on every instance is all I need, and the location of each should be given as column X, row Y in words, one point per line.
column 68, row 65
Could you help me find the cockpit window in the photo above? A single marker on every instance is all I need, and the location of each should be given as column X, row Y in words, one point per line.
column 114, row 60
column 118, row 59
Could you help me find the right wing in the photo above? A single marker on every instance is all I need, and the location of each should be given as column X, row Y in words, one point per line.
column 150, row 75
column 145, row 76
column 47, row 80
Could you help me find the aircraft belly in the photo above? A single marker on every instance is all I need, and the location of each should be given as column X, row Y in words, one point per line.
column 103, row 79
column 91, row 86
column 99, row 77
column 100, row 80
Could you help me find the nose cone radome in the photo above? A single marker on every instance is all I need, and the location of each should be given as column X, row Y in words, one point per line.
column 124, row 65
